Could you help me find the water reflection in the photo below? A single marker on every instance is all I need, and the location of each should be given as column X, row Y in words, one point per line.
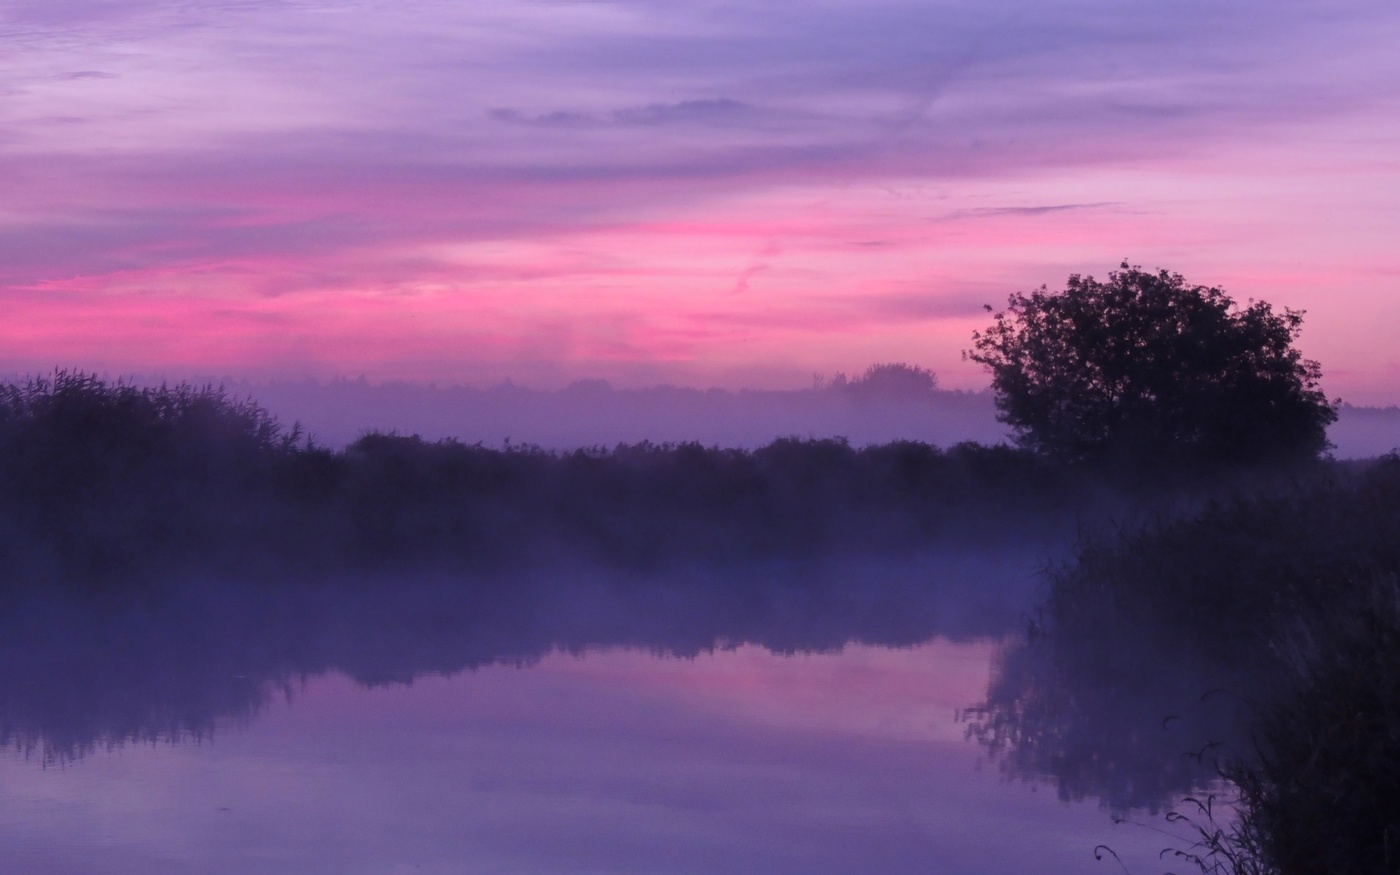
column 83, row 671
column 1135, row 728
column 1113, row 705
column 786, row 719
column 614, row 761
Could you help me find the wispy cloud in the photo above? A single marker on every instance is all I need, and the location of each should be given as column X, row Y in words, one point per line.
column 1042, row 210
column 714, row 111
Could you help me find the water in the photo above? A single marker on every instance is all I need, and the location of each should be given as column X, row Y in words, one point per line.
column 423, row 728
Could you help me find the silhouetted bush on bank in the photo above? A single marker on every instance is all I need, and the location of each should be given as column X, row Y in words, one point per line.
column 98, row 479
column 1270, row 626
column 102, row 482
column 1227, row 581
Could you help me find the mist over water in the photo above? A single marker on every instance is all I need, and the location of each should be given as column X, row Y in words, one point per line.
column 89, row 670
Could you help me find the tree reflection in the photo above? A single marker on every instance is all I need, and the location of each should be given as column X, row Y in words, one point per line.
column 84, row 671
column 1106, row 713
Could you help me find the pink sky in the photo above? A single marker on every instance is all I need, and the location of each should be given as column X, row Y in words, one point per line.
column 708, row 194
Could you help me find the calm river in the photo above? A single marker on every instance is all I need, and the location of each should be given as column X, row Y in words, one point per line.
column 780, row 725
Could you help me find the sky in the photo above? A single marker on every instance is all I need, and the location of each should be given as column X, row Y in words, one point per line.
column 740, row 193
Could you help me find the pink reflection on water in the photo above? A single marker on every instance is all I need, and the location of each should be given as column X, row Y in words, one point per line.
column 616, row 761
column 906, row 694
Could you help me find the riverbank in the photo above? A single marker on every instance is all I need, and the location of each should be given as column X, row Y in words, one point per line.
column 1256, row 641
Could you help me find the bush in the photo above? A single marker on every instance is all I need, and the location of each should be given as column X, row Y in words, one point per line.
column 1145, row 369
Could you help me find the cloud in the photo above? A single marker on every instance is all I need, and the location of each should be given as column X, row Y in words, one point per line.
column 711, row 111
column 1030, row 211
column 84, row 74
column 287, row 148
column 889, row 88
column 685, row 112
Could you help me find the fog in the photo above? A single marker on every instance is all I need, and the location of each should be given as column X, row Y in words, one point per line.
column 593, row 413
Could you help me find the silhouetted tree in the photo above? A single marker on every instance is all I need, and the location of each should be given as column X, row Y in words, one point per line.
column 1146, row 367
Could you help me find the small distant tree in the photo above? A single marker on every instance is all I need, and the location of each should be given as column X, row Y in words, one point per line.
column 890, row 381
column 895, row 380
column 1145, row 367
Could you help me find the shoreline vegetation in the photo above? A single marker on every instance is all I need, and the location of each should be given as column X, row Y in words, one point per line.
column 1284, row 602
column 108, row 484
column 112, row 484
column 1251, row 650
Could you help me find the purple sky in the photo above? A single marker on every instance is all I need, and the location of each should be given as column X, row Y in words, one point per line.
column 737, row 194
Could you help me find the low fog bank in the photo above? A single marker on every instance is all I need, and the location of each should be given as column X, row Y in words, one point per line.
column 76, row 679
column 593, row 413
column 1365, row 432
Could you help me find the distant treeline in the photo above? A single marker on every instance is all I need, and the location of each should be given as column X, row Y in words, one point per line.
column 105, row 481
column 883, row 403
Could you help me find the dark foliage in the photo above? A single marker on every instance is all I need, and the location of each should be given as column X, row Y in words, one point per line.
column 104, row 482
column 1323, row 793
column 92, row 475
column 1258, row 639
column 1145, row 369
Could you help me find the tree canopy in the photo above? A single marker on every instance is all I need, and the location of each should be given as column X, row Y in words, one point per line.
column 1145, row 367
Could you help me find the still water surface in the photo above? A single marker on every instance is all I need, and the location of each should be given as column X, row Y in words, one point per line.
column 727, row 757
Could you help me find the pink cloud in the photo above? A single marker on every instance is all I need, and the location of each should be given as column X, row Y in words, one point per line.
column 457, row 192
